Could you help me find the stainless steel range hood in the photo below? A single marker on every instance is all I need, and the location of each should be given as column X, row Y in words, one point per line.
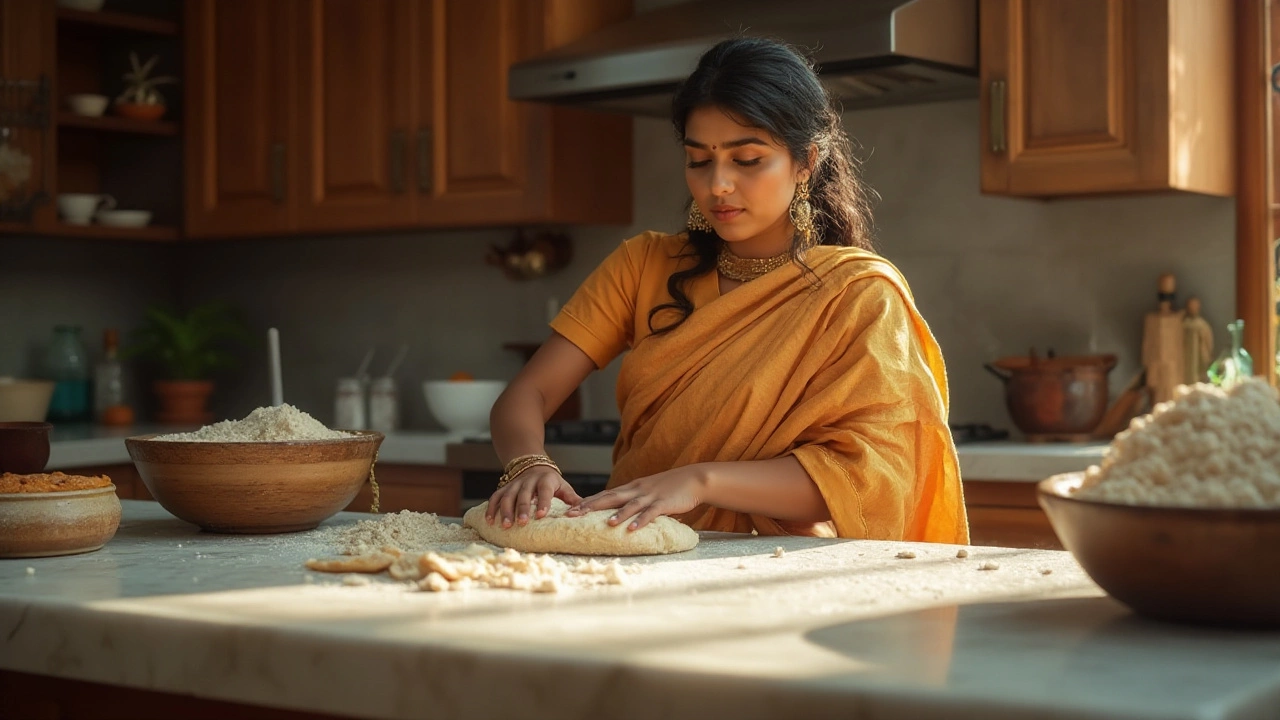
column 868, row 52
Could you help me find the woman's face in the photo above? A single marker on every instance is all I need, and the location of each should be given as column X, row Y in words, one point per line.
column 743, row 181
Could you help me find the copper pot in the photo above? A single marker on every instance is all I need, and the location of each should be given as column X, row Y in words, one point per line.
column 1055, row 396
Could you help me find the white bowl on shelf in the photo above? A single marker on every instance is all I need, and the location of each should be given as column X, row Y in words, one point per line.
column 462, row 406
column 88, row 104
column 124, row 218
column 86, row 5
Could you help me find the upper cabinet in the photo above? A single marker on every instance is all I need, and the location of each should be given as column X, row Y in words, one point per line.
column 1106, row 96
column 240, row 159
column 26, row 69
column 385, row 114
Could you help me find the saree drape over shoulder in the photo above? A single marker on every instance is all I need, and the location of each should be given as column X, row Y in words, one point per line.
column 836, row 368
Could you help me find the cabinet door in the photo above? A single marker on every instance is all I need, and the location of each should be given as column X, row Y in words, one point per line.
column 26, row 55
column 478, row 143
column 355, row 82
column 1073, row 96
column 240, row 155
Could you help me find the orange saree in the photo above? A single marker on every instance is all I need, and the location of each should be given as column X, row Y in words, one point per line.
column 836, row 368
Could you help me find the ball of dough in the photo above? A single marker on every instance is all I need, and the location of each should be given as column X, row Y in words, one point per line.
column 588, row 534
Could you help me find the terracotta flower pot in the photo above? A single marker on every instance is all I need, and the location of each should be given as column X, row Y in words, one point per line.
column 138, row 111
column 184, row 402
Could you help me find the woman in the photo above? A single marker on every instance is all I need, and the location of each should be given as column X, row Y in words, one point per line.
column 780, row 379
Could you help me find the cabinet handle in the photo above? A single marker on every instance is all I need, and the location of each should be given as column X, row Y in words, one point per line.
column 398, row 148
column 424, row 160
column 997, row 119
column 277, row 172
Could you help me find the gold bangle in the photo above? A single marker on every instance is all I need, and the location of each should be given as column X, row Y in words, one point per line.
column 519, row 465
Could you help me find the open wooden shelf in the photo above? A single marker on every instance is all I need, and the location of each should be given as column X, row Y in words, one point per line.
column 150, row 232
column 118, row 21
column 110, row 123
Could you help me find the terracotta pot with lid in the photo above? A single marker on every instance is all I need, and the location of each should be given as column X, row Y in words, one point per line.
column 1055, row 397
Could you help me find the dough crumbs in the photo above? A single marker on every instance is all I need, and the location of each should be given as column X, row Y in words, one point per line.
column 1046, row 571
column 962, row 553
column 355, row 580
column 988, row 565
column 265, row 424
column 906, row 555
column 1208, row 447
column 779, row 552
column 31, row 571
column 478, row 566
column 406, row 530
column 742, row 566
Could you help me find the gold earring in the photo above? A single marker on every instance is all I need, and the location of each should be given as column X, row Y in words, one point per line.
column 802, row 214
column 696, row 219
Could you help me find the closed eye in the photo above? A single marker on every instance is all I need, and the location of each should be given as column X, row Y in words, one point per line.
column 697, row 163
column 748, row 162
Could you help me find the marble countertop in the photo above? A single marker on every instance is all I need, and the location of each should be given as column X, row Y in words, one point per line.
column 725, row 630
column 1011, row 461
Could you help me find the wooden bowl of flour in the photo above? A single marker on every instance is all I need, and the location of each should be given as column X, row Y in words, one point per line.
column 1201, row 565
column 255, row 487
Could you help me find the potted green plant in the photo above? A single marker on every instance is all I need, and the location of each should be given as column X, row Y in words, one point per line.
column 140, row 99
column 188, row 348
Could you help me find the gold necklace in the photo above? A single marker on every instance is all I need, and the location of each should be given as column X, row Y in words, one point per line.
column 747, row 269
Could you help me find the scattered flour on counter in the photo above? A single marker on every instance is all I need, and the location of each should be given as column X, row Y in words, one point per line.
column 906, row 555
column 266, row 424
column 962, row 553
column 779, row 552
column 1208, row 447
column 406, row 530
column 988, row 565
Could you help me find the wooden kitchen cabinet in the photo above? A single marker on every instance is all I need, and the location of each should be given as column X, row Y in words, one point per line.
column 241, row 156
column 419, row 488
column 485, row 159
column 1107, row 96
column 1006, row 514
column 355, row 81
column 399, row 119
column 26, row 56
column 124, row 476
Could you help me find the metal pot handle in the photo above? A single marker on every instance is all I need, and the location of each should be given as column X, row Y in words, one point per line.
column 1004, row 375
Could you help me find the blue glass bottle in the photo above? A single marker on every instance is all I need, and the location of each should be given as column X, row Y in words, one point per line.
column 67, row 364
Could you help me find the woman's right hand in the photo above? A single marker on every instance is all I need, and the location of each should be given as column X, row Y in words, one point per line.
column 538, row 485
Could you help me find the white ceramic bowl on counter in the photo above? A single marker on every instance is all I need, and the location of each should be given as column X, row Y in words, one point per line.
column 462, row 406
column 24, row 400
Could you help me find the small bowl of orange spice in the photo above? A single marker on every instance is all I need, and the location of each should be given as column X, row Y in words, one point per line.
column 46, row 514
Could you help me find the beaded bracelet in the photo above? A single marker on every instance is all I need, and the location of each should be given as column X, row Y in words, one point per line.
column 519, row 465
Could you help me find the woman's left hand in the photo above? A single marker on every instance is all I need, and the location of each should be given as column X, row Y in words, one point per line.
column 645, row 499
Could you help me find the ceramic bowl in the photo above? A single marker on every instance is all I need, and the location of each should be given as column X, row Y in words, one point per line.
column 24, row 400
column 1213, row 566
column 462, row 406
column 57, row 523
column 124, row 218
column 88, row 104
column 254, row 487
column 24, row 447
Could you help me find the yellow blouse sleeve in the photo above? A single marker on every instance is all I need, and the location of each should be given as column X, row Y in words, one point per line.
column 600, row 316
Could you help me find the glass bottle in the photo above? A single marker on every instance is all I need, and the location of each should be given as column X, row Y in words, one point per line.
column 384, row 407
column 67, row 364
column 349, row 405
column 108, row 376
column 1234, row 363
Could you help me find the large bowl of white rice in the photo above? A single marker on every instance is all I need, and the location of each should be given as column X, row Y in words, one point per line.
column 277, row 470
column 1181, row 521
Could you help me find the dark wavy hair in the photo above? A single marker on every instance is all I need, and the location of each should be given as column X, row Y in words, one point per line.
column 771, row 86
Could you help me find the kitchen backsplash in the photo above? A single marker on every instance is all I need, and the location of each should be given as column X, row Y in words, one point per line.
column 993, row 276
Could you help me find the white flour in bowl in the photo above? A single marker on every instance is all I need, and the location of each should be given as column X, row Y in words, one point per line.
column 1206, row 448
column 266, row 424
